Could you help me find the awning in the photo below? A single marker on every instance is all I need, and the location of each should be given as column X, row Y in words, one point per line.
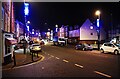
column 10, row 41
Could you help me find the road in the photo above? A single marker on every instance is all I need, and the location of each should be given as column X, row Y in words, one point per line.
column 68, row 62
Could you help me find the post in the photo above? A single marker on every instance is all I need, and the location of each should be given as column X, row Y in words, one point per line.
column 32, row 56
column 14, row 58
column 98, row 27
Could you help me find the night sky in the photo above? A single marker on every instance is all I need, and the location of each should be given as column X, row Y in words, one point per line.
column 44, row 15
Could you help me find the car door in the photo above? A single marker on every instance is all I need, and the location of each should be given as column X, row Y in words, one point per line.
column 105, row 47
column 110, row 47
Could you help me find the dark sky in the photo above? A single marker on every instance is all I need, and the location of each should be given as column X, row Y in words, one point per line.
column 67, row 13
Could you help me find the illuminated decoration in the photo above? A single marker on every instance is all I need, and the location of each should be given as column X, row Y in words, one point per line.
column 28, row 28
column 28, row 22
column 39, row 34
column 33, row 33
column 26, row 10
column 98, row 22
column 51, row 35
column 56, row 29
column 48, row 34
column 36, row 33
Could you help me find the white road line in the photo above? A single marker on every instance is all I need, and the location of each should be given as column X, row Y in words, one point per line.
column 52, row 56
column 42, row 67
column 57, row 58
column 103, row 74
column 79, row 65
column 66, row 61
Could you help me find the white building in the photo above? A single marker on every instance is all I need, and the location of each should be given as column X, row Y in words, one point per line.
column 89, row 34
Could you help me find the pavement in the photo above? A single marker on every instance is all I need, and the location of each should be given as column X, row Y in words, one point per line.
column 22, row 59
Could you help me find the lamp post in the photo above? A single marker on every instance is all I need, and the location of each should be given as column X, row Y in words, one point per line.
column 97, row 13
column 26, row 12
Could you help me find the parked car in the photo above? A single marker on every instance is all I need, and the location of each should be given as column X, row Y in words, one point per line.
column 83, row 47
column 35, row 48
column 110, row 47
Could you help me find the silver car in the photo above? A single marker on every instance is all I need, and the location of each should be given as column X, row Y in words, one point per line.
column 110, row 47
column 35, row 48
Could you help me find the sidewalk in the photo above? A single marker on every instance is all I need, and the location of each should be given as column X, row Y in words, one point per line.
column 21, row 59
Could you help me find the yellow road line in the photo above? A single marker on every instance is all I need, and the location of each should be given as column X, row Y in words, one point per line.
column 57, row 58
column 79, row 65
column 27, row 64
column 52, row 56
column 103, row 74
column 66, row 61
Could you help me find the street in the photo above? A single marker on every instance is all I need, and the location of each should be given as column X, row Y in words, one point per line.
column 68, row 62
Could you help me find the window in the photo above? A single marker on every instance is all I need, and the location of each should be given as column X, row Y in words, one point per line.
column 91, row 33
column 110, row 45
column 105, row 45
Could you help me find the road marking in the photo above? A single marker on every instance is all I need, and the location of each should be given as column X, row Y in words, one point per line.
column 103, row 74
column 27, row 64
column 42, row 67
column 49, row 57
column 66, row 61
column 52, row 56
column 57, row 58
column 79, row 65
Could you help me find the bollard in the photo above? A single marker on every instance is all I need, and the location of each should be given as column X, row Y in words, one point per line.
column 14, row 58
column 32, row 56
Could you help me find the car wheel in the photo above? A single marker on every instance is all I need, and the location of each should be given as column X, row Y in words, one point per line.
column 101, row 50
column 116, row 52
column 90, row 49
column 76, row 48
column 83, row 49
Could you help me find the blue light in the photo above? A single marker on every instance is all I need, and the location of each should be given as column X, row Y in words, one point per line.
column 56, row 29
column 26, row 10
column 98, row 22
column 28, row 28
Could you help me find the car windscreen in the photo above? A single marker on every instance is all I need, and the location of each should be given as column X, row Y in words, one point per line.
column 118, row 45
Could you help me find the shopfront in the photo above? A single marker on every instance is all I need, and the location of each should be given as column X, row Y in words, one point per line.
column 9, row 44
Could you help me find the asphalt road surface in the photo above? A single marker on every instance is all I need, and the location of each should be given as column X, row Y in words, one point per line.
column 68, row 62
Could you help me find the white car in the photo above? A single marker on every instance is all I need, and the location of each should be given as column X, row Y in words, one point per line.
column 35, row 48
column 110, row 47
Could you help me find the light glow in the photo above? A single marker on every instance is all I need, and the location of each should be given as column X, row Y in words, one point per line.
column 97, row 22
column 28, row 28
column 26, row 10
column 97, row 13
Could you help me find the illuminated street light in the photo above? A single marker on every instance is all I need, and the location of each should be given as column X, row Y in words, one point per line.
column 28, row 22
column 26, row 13
column 48, row 29
column 56, row 26
column 97, row 13
column 56, row 29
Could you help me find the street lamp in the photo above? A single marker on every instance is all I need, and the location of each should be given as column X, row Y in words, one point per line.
column 56, row 28
column 26, row 12
column 97, row 13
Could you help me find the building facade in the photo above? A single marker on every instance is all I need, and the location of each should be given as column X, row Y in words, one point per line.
column 7, row 29
column 89, row 34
